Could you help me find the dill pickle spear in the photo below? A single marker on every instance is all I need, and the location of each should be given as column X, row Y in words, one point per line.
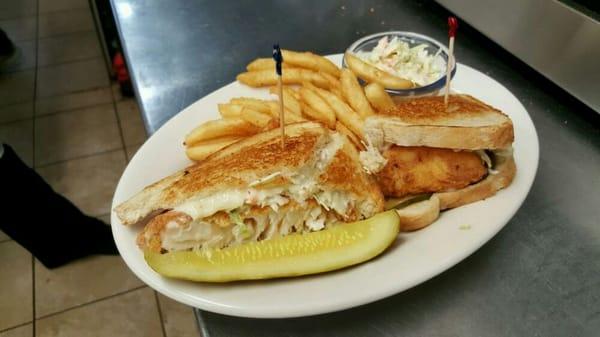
column 293, row 255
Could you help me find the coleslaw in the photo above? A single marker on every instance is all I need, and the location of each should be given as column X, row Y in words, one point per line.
column 398, row 58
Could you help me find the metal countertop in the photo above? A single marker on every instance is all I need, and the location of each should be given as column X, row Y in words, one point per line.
column 539, row 276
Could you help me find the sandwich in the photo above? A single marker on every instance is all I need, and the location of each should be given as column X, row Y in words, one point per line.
column 427, row 157
column 254, row 190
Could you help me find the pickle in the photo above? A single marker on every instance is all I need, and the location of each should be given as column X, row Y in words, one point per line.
column 333, row 248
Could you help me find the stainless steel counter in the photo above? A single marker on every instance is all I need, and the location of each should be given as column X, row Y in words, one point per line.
column 555, row 39
column 539, row 276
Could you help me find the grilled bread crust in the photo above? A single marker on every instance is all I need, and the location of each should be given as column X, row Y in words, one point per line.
column 467, row 124
column 248, row 160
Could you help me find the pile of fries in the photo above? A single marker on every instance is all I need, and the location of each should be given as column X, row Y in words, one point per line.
column 314, row 89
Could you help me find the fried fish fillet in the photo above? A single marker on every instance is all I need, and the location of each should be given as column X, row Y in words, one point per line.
column 414, row 170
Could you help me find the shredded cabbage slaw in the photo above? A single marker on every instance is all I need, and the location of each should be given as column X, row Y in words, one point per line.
column 398, row 58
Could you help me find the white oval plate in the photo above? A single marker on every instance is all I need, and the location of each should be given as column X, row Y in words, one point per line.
column 415, row 258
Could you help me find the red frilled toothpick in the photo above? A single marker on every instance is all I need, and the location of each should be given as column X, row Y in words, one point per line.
column 452, row 26
column 278, row 61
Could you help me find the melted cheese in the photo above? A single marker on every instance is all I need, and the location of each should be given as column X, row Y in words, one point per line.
column 202, row 207
column 199, row 208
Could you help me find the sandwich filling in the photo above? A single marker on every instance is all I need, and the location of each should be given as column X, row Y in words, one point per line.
column 410, row 170
column 276, row 204
column 175, row 230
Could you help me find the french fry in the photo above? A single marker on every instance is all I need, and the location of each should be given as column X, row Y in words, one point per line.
column 354, row 94
column 228, row 110
column 311, row 87
column 220, row 128
column 200, row 151
column 371, row 74
column 274, row 109
column 334, row 84
column 255, row 117
column 274, row 105
column 290, row 117
column 293, row 118
column 289, row 99
column 264, row 63
column 320, row 110
column 273, row 124
column 254, row 103
column 309, row 112
column 333, row 81
column 348, row 117
column 289, row 89
column 338, row 93
column 310, row 61
column 293, row 92
column 291, row 102
column 341, row 128
column 378, row 97
column 343, row 112
column 262, row 78
column 318, row 80
column 258, row 78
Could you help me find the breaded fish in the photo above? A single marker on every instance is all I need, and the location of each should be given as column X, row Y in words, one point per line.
column 414, row 170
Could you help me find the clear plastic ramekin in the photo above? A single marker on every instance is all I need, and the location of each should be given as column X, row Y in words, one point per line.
column 369, row 42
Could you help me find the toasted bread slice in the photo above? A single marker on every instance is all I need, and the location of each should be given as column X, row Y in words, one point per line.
column 310, row 149
column 419, row 214
column 466, row 124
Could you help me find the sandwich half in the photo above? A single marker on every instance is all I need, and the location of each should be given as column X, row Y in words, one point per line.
column 254, row 190
column 428, row 157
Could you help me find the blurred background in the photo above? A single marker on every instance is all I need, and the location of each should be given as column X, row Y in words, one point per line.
column 67, row 108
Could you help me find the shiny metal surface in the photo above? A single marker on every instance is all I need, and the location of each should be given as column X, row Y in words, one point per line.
column 540, row 276
column 553, row 38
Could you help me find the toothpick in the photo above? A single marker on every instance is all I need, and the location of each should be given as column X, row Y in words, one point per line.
column 278, row 61
column 449, row 70
column 452, row 26
column 281, row 114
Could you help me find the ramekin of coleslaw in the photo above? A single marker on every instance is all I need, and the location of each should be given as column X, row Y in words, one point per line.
column 412, row 56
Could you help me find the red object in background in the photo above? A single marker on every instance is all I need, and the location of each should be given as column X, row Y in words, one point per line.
column 120, row 70
column 452, row 25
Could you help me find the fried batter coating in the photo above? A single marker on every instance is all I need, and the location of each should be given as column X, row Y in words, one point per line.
column 414, row 170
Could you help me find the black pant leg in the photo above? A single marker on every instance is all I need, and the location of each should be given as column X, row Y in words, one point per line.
column 48, row 225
